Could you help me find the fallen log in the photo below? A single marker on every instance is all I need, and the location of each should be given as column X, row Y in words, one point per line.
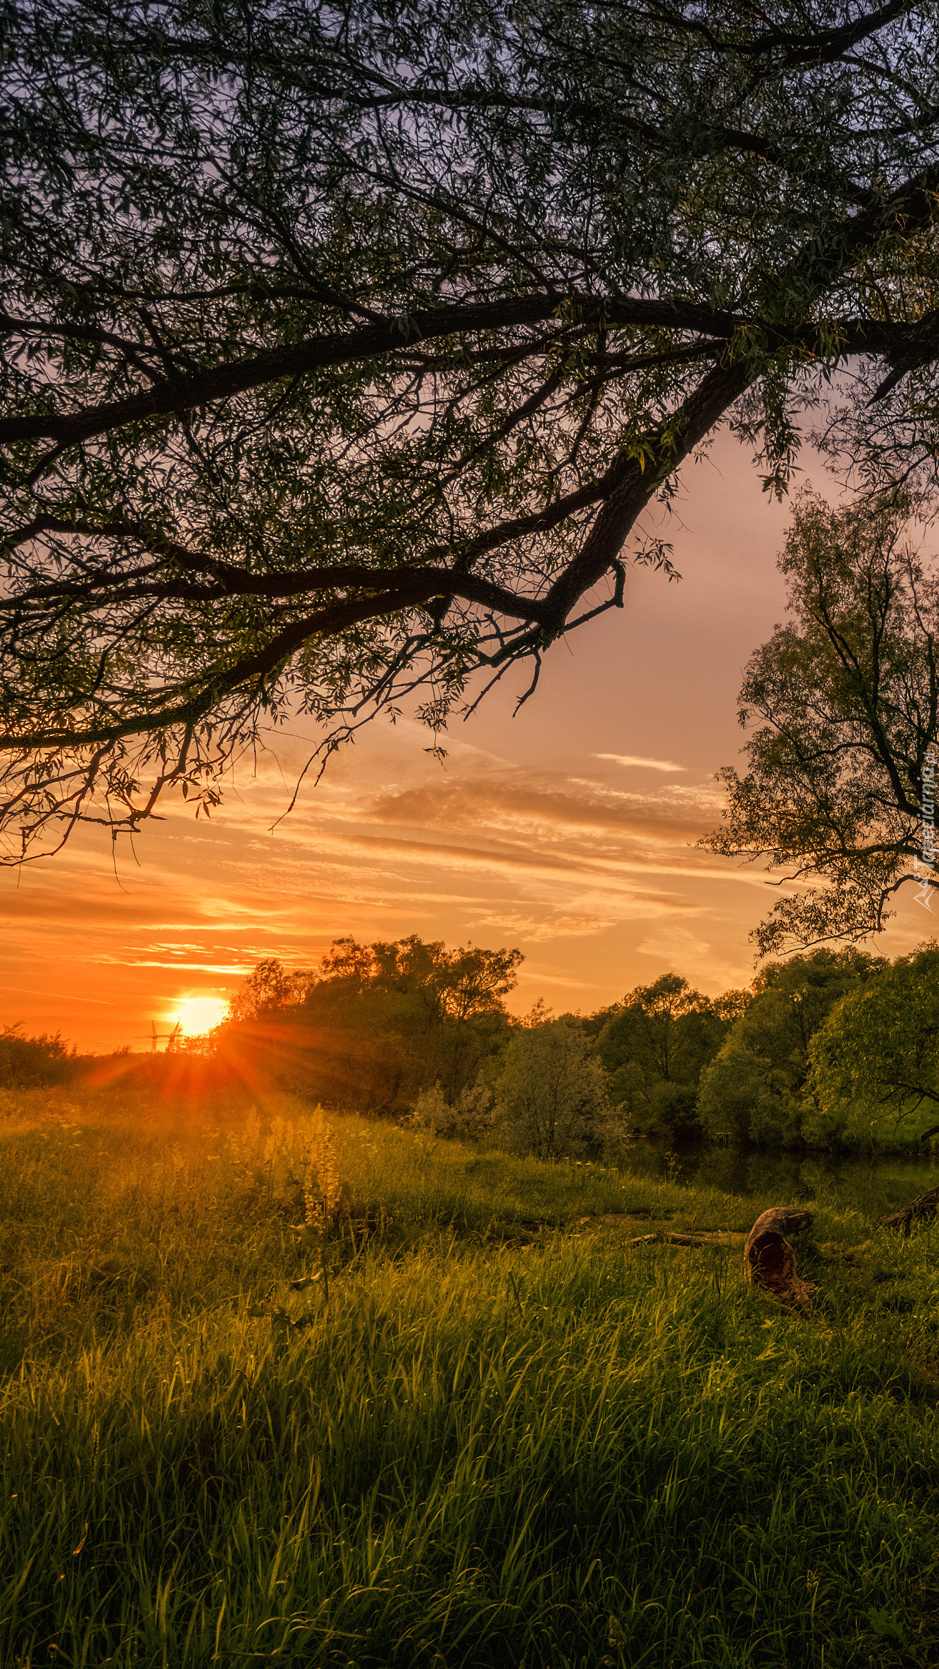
column 707, row 1237
column 918, row 1211
column 769, row 1261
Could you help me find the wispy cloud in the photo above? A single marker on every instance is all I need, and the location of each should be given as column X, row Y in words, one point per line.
column 637, row 759
column 551, row 808
column 700, row 960
column 538, row 929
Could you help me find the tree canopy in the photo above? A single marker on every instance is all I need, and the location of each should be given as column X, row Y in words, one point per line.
column 551, row 1097
column 757, row 1088
column 875, row 1061
column 845, row 695
column 655, row 1046
column 345, row 347
column 376, row 1024
column 269, row 990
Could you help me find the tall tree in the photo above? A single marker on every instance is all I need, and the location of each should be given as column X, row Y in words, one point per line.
column 656, row 1045
column 443, row 984
column 269, row 990
column 345, row 347
column 842, row 766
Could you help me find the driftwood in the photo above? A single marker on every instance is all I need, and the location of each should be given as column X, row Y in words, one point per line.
column 769, row 1261
column 918, row 1211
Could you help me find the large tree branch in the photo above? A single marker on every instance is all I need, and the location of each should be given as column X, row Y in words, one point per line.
column 220, row 382
column 374, row 341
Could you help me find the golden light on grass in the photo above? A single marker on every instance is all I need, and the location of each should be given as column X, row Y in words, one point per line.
column 198, row 1014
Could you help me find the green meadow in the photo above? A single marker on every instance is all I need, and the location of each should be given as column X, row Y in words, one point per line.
column 470, row 1426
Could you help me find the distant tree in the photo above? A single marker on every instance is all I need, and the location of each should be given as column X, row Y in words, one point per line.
column 452, row 985
column 379, row 1023
column 655, row 1047
column 875, row 1061
column 345, row 347
column 731, row 1005
column 756, row 1088
column 843, row 764
column 33, row 1062
column 268, row 990
column 551, row 1096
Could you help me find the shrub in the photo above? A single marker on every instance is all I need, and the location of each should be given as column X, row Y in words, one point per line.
column 469, row 1117
column 31, row 1062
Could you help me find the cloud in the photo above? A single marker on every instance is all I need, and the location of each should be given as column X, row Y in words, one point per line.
column 636, row 759
column 101, row 905
column 65, row 996
column 556, row 927
column 567, row 864
column 555, row 808
column 687, row 953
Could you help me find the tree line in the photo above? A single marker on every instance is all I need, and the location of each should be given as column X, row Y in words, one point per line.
column 828, row 1048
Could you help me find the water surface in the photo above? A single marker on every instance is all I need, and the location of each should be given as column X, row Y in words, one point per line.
column 875, row 1184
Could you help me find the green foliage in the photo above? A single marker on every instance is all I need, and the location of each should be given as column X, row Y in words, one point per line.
column 842, row 766
column 655, row 1047
column 546, row 1450
column 470, row 1116
column 379, row 1024
column 345, row 347
column 551, row 1097
column 26, row 1062
column 875, row 1061
column 757, row 1087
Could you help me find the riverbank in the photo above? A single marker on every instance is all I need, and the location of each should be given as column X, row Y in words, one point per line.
column 507, row 1437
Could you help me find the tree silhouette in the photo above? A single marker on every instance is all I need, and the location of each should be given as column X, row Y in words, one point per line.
column 845, row 702
column 345, row 348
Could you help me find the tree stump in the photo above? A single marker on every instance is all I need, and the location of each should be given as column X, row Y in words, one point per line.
column 769, row 1261
column 918, row 1211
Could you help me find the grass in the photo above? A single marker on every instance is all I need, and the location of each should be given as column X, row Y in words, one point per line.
column 507, row 1437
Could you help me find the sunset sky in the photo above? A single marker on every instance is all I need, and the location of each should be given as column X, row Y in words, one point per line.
column 566, row 831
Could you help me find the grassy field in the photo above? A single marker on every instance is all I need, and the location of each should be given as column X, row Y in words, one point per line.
column 504, row 1438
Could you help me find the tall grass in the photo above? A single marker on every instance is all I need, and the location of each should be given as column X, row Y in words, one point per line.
column 506, row 1438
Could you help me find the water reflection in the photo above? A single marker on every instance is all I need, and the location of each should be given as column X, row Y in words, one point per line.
column 778, row 1177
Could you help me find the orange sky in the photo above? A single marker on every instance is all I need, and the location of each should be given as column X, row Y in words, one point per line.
column 545, row 831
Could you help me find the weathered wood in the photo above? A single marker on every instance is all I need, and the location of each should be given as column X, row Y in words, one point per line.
column 704, row 1237
column 707, row 1237
column 918, row 1211
column 769, row 1261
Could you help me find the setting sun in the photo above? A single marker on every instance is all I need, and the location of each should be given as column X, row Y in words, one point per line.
column 198, row 1014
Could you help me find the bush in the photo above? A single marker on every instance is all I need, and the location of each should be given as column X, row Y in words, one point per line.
column 469, row 1117
column 32, row 1062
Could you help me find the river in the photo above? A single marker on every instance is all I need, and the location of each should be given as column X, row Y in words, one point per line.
column 881, row 1183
